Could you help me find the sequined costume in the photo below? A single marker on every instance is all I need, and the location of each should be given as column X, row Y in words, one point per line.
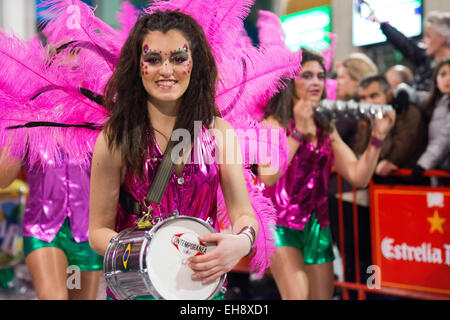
column 302, row 190
column 57, row 193
column 301, row 199
column 57, row 213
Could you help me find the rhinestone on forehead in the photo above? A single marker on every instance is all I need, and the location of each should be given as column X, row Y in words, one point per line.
column 146, row 49
column 186, row 48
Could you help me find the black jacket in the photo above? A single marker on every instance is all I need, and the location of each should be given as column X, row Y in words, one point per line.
column 423, row 64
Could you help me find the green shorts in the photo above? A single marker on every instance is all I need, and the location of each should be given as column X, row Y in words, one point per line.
column 315, row 244
column 219, row 296
column 78, row 254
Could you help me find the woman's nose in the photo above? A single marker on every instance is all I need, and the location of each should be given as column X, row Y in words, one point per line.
column 166, row 69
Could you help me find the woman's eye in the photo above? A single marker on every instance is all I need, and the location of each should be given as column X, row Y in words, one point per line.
column 152, row 60
column 179, row 59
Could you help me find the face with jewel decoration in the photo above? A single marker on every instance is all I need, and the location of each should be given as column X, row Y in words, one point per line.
column 166, row 65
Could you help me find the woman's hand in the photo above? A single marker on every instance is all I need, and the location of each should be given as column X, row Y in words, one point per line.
column 381, row 127
column 385, row 167
column 303, row 111
column 229, row 251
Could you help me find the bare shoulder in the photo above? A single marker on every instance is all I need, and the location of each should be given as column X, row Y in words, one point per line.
column 102, row 151
column 272, row 122
column 222, row 124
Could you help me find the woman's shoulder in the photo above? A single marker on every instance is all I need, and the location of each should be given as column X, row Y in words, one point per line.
column 221, row 124
column 104, row 149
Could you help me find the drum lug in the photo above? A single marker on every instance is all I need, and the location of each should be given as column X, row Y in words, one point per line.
column 148, row 235
column 143, row 271
column 223, row 290
column 209, row 221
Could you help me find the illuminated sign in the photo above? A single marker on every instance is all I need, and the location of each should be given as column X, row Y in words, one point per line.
column 404, row 15
column 308, row 29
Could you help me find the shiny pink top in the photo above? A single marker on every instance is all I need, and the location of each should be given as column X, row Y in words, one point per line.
column 193, row 194
column 57, row 193
column 303, row 189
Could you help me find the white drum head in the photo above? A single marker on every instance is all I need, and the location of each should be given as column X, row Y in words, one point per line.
column 172, row 243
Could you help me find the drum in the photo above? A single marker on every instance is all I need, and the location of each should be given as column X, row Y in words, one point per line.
column 12, row 206
column 142, row 262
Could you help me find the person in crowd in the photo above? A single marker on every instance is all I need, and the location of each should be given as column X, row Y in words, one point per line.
column 407, row 139
column 355, row 67
column 437, row 110
column 436, row 39
column 398, row 74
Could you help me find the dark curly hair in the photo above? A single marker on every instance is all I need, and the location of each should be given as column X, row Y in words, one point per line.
column 129, row 127
column 281, row 105
column 435, row 94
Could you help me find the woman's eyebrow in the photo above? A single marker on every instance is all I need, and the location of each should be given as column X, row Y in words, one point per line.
column 152, row 53
column 177, row 52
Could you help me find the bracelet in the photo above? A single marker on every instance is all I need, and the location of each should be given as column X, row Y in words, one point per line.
column 377, row 143
column 251, row 234
column 295, row 134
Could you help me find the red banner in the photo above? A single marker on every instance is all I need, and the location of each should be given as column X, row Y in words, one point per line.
column 411, row 237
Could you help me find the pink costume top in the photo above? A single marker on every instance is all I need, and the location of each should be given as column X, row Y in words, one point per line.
column 303, row 189
column 57, row 193
column 193, row 194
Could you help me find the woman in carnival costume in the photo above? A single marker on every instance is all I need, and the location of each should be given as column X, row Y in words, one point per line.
column 302, row 266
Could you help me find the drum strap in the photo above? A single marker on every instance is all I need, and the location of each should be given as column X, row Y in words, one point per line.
column 156, row 191
column 162, row 177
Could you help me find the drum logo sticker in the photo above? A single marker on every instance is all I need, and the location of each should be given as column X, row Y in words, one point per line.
column 126, row 256
column 188, row 244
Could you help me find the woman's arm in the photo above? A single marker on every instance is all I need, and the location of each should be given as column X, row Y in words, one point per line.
column 402, row 43
column 304, row 124
column 437, row 148
column 9, row 168
column 268, row 174
column 359, row 172
column 231, row 247
column 104, row 195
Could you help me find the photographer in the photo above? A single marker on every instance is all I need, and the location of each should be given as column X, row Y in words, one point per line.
column 406, row 141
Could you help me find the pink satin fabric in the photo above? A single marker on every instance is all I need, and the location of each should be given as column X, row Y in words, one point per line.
column 57, row 192
column 303, row 189
column 194, row 193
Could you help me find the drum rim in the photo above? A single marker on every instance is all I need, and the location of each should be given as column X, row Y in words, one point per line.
column 147, row 235
column 109, row 276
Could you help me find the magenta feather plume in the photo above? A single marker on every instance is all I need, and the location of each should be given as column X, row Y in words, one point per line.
column 252, row 78
column 127, row 18
column 36, row 88
column 74, row 20
column 328, row 54
column 270, row 30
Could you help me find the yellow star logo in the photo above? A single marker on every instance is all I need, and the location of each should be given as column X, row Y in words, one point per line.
column 436, row 222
